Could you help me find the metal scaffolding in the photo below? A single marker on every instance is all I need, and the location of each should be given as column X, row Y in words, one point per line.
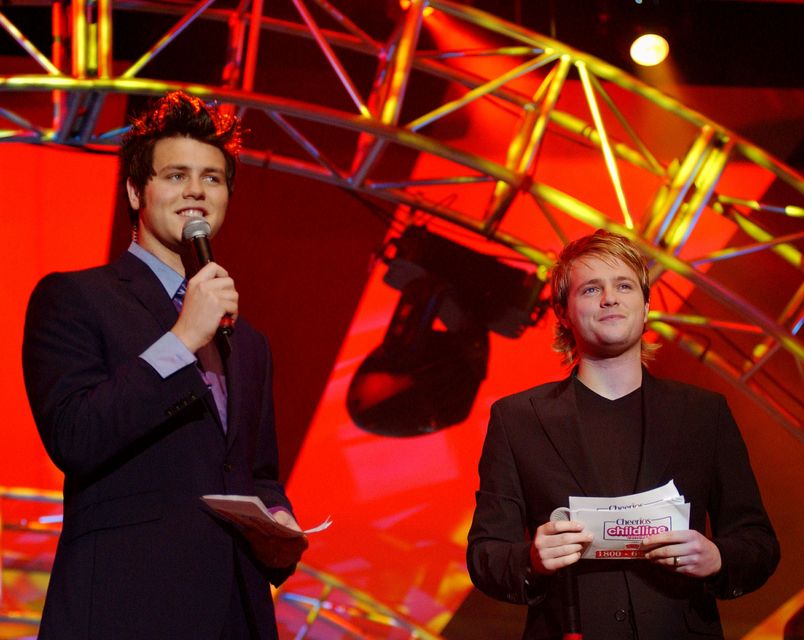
column 402, row 92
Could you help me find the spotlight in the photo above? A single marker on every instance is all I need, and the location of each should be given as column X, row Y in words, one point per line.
column 426, row 373
column 422, row 378
column 649, row 49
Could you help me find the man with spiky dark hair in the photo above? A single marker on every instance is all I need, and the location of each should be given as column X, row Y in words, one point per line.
column 612, row 429
column 144, row 414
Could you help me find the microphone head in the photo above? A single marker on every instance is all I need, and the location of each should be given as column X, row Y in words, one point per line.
column 194, row 228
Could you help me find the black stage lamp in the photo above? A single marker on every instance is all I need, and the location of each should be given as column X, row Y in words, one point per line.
column 421, row 378
column 426, row 373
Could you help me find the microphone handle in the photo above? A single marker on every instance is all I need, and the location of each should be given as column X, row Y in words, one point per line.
column 571, row 611
column 203, row 251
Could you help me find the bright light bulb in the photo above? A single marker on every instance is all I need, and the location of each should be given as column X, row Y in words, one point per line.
column 405, row 5
column 649, row 50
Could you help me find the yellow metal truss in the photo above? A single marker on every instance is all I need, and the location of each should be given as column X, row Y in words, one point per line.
column 753, row 343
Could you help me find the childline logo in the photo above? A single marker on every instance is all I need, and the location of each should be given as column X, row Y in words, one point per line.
column 624, row 529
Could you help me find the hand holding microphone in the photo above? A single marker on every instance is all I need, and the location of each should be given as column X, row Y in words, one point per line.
column 210, row 304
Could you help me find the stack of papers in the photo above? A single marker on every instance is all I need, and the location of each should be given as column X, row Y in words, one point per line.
column 620, row 524
column 251, row 512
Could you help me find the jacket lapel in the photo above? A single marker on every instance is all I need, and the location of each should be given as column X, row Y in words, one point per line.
column 558, row 416
column 231, row 365
column 145, row 286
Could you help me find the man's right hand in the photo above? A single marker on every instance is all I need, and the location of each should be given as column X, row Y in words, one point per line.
column 277, row 552
column 558, row 545
column 211, row 294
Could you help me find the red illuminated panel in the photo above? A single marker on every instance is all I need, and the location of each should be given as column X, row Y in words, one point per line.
column 56, row 215
column 401, row 507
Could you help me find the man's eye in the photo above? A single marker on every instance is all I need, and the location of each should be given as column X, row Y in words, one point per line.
column 626, row 285
column 589, row 290
column 212, row 179
column 175, row 177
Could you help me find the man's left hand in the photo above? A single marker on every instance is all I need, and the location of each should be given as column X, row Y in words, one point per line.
column 687, row 552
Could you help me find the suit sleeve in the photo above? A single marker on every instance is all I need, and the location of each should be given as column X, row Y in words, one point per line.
column 741, row 528
column 88, row 414
column 498, row 554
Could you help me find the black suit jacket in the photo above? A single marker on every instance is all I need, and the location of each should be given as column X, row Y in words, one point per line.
column 532, row 462
column 140, row 556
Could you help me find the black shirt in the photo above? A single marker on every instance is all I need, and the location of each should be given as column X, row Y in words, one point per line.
column 611, row 437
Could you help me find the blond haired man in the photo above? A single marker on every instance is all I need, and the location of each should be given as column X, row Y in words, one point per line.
column 610, row 429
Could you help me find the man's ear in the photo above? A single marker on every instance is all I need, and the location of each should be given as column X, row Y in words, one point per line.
column 133, row 195
column 561, row 315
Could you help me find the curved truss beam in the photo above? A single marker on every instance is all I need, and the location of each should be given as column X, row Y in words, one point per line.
column 327, row 603
column 538, row 98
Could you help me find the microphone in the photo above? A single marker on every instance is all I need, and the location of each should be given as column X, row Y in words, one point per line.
column 570, row 607
column 196, row 231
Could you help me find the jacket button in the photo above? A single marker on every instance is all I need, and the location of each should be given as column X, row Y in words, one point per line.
column 227, row 467
column 620, row 615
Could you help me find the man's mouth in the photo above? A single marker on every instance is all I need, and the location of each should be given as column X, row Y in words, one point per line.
column 192, row 213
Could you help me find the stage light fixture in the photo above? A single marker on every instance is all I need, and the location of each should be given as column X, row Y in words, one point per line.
column 649, row 49
column 426, row 373
column 424, row 376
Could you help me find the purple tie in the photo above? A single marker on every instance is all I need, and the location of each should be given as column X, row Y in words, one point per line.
column 178, row 297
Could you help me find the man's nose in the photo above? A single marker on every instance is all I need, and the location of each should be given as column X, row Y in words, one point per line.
column 194, row 188
column 608, row 297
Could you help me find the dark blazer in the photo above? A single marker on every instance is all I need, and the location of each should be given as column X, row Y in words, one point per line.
column 140, row 556
column 532, row 462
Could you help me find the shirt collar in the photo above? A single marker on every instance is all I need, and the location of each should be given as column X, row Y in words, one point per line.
column 170, row 279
